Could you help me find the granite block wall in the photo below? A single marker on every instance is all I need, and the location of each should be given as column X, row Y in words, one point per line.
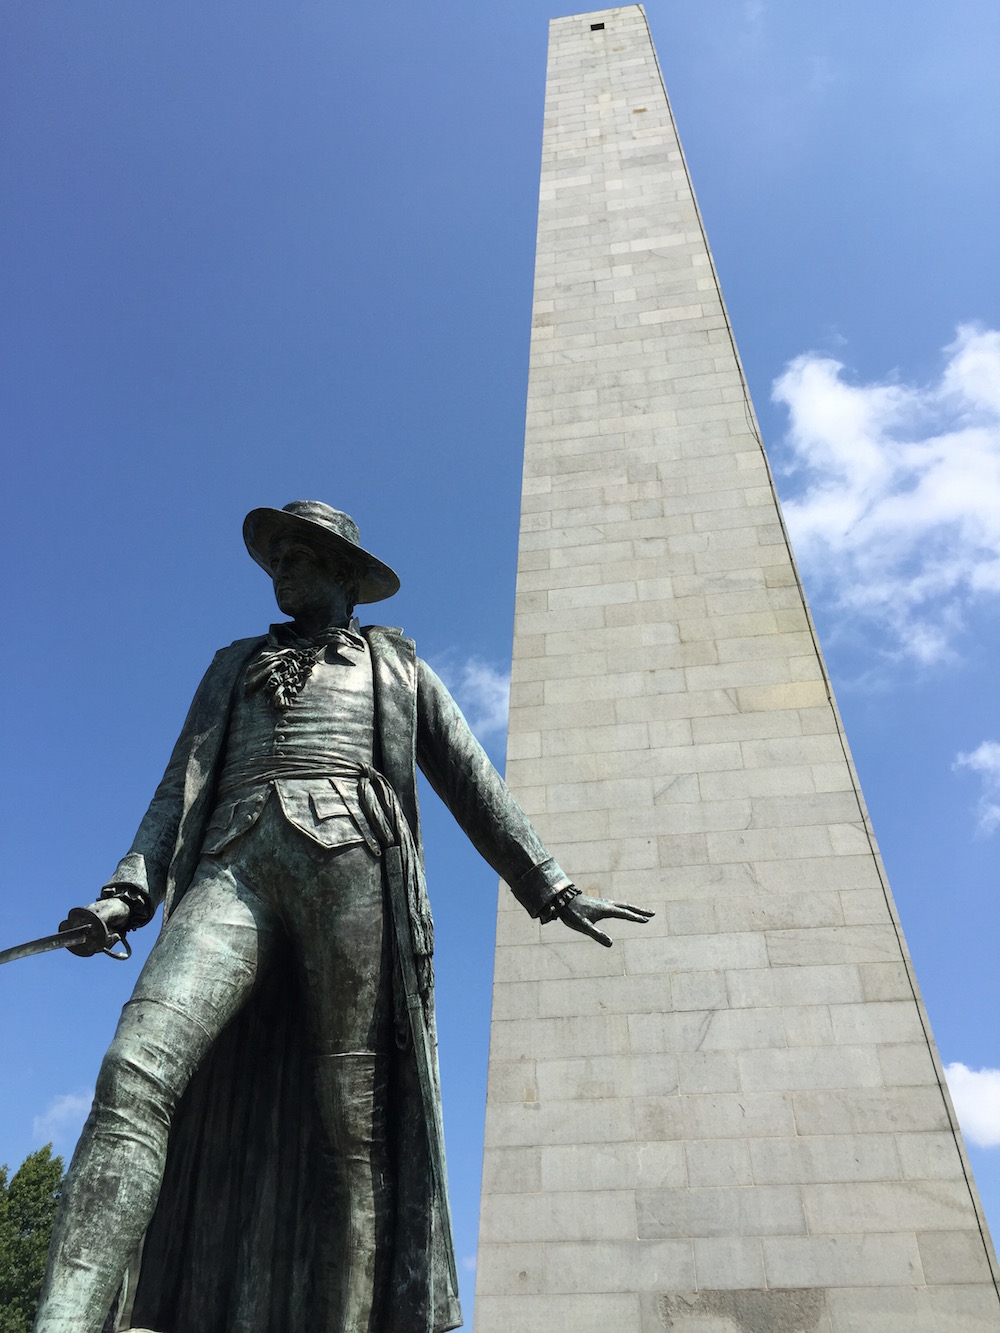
column 734, row 1119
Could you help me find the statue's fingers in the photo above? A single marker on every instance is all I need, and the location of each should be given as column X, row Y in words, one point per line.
column 629, row 913
column 607, row 905
column 581, row 918
column 595, row 933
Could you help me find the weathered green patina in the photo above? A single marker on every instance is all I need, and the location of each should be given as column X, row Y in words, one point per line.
column 266, row 1133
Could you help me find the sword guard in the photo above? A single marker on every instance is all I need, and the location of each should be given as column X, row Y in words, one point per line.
column 103, row 935
column 119, row 957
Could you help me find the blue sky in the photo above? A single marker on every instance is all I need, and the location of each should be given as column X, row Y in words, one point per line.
column 255, row 252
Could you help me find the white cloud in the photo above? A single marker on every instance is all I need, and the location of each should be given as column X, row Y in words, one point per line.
column 61, row 1121
column 985, row 760
column 469, row 1263
column 976, row 1094
column 898, row 518
column 483, row 693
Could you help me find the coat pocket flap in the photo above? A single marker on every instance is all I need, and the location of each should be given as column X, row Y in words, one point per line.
column 222, row 815
column 327, row 802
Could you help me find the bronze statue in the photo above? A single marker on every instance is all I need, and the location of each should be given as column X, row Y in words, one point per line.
column 265, row 1139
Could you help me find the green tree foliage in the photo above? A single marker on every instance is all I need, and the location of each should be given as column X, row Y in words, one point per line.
column 27, row 1209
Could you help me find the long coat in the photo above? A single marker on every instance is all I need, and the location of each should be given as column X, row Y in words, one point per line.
column 230, row 1246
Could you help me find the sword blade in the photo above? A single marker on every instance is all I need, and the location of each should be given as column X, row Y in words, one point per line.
column 64, row 940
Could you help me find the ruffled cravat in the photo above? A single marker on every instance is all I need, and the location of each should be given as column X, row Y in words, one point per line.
column 285, row 662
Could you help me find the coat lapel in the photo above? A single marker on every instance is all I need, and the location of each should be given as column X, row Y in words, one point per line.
column 205, row 728
column 394, row 665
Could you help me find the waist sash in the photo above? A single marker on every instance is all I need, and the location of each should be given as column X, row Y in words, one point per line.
column 289, row 767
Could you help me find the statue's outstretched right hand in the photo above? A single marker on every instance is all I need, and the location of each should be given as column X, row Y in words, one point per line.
column 582, row 913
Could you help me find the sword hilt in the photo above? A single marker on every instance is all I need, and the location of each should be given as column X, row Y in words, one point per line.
column 106, row 922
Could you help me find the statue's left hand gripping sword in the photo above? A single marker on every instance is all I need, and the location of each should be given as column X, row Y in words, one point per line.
column 99, row 928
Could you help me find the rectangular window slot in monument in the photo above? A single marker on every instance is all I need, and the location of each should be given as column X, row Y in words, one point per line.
column 597, row 27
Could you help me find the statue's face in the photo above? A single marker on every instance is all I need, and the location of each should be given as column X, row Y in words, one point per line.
column 305, row 582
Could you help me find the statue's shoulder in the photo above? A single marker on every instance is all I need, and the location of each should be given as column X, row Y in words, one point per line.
column 244, row 645
column 212, row 697
column 229, row 661
column 394, row 630
column 388, row 638
column 239, row 649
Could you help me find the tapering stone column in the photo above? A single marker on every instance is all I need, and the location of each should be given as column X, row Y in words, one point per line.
column 735, row 1118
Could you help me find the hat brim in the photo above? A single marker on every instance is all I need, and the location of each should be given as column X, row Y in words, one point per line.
column 264, row 528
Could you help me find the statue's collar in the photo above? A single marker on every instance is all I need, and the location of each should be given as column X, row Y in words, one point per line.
column 284, row 635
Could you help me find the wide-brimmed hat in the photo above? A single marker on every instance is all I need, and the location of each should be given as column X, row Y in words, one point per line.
column 317, row 525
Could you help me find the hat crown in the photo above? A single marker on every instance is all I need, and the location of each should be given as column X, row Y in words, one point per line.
column 334, row 520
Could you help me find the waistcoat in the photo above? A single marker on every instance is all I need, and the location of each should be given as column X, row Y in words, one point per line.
column 309, row 753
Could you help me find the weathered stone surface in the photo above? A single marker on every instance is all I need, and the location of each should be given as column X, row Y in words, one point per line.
column 731, row 1120
column 747, row 1311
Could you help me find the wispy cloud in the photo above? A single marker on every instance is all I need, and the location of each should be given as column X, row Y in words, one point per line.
column 469, row 1263
column 482, row 692
column 61, row 1121
column 985, row 760
column 897, row 518
column 976, row 1094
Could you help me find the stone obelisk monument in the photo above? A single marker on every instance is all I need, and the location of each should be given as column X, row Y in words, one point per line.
column 735, row 1119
